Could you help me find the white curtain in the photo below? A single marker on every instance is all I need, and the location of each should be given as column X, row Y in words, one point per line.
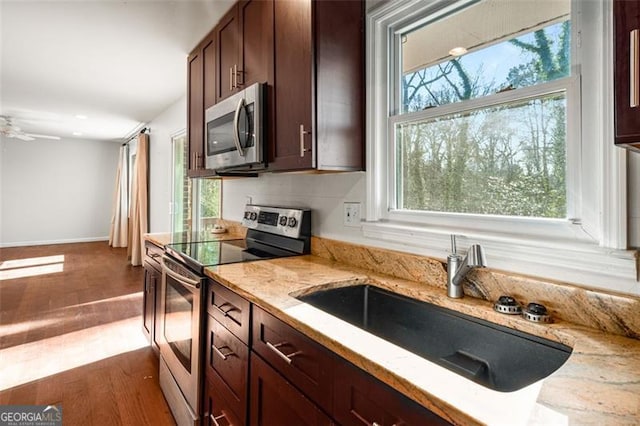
column 119, row 215
column 138, row 210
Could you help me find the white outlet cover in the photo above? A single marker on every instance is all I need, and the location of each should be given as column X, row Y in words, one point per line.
column 351, row 216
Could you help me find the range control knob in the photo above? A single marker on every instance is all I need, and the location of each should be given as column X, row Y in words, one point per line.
column 253, row 216
column 247, row 215
column 292, row 222
column 283, row 221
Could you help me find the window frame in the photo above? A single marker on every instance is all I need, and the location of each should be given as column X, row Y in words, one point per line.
column 583, row 248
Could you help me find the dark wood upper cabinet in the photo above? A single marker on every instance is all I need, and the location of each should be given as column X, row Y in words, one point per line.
column 228, row 38
column 209, row 71
column 245, row 47
column 627, row 73
column 195, row 111
column 201, row 94
column 256, row 42
column 319, row 85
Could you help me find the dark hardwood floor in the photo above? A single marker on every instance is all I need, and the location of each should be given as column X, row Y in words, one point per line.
column 70, row 335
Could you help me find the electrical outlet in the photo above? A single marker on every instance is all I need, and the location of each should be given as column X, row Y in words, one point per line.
column 351, row 214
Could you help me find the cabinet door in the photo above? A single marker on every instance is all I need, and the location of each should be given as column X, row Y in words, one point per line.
column 216, row 410
column 626, row 81
column 195, row 112
column 274, row 401
column 360, row 399
column 209, row 69
column 256, row 35
column 293, row 147
column 157, row 326
column 228, row 43
column 148, row 302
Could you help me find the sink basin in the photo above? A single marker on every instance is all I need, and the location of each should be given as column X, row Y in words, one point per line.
column 496, row 357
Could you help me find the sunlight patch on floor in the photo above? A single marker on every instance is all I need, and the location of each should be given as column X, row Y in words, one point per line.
column 31, row 267
column 33, row 261
column 36, row 360
column 33, row 271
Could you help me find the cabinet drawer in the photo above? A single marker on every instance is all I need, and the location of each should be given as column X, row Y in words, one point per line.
column 217, row 410
column 229, row 309
column 152, row 255
column 274, row 401
column 303, row 362
column 361, row 399
column 227, row 365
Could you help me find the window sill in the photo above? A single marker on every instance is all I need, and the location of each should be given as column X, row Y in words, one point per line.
column 581, row 263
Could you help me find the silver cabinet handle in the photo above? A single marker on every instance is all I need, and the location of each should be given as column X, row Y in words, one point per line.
column 285, row 357
column 363, row 420
column 302, row 133
column 230, row 79
column 236, row 131
column 235, row 76
column 222, row 311
column 634, row 71
column 215, row 419
column 222, row 355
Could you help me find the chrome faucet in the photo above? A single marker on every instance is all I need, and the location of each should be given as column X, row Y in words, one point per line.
column 458, row 268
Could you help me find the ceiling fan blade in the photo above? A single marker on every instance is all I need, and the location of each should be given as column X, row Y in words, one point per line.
column 35, row 135
column 23, row 137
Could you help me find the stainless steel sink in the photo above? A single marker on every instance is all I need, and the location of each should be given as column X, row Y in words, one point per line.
column 496, row 357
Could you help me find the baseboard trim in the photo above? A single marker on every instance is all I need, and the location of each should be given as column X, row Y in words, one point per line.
column 50, row 242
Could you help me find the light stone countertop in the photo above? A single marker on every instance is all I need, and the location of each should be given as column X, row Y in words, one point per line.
column 599, row 384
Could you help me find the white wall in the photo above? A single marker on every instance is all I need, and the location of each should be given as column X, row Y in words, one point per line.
column 163, row 127
column 56, row 191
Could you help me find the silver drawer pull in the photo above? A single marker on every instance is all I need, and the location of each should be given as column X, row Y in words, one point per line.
column 222, row 355
column 285, row 357
column 222, row 311
column 215, row 419
column 363, row 420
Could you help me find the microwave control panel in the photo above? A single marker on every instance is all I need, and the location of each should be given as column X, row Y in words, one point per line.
column 285, row 221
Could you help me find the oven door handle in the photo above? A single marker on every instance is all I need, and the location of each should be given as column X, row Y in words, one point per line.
column 181, row 279
column 236, row 130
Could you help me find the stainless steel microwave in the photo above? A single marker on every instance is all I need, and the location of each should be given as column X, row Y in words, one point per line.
column 234, row 138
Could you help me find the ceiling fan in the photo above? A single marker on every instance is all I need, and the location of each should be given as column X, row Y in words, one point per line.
column 8, row 129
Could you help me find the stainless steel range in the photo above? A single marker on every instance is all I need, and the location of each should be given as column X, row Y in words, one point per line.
column 273, row 232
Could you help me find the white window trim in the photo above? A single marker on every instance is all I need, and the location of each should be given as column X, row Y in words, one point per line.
column 588, row 251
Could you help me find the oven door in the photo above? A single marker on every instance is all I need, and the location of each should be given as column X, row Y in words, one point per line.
column 233, row 130
column 181, row 342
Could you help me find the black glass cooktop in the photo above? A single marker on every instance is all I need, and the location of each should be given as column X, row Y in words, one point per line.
column 198, row 255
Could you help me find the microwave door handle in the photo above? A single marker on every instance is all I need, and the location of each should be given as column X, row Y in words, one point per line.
column 236, row 131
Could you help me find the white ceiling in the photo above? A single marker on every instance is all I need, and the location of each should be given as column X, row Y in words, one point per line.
column 120, row 63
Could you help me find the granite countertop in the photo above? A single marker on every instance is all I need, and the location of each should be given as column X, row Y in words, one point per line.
column 599, row 383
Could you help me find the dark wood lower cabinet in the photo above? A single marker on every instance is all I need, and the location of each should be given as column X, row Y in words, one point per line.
column 275, row 401
column 285, row 378
column 151, row 294
column 360, row 399
column 217, row 410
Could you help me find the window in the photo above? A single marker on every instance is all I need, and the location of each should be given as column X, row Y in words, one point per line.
column 505, row 152
column 195, row 202
column 492, row 120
